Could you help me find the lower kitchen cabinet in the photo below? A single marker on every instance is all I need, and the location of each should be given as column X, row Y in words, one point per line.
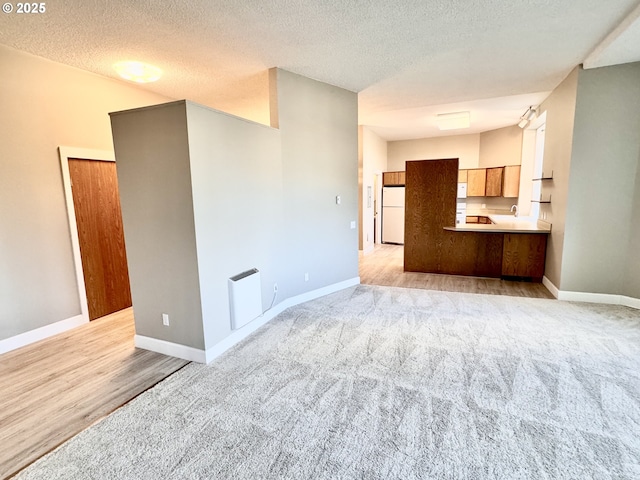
column 487, row 253
column 478, row 219
column 523, row 255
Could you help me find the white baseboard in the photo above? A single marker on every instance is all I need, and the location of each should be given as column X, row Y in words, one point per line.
column 630, row 302
column 210, row 354
column 550, row 286
column 41, row 333
column 368, row 249
column 606, row 298
column 589, row 297
column 600, row 298
column 170, row 348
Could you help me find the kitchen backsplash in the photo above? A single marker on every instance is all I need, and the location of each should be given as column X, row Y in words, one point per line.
column 490, row 205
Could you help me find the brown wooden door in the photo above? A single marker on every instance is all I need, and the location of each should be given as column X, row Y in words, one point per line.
column 104, row 260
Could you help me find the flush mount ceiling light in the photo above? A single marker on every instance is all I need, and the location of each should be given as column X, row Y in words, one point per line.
column 529, row 115
column 453, row 121
column 138, row 72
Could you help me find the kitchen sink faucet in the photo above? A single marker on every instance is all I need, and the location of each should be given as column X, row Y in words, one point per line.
column 514, row 207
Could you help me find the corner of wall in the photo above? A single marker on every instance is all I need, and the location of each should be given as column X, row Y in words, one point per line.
column 560, row 116
column 273, row 98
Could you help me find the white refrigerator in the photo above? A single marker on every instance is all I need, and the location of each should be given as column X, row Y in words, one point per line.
column 393, row 215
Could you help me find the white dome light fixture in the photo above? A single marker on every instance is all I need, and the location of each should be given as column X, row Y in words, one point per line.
column 137, row 71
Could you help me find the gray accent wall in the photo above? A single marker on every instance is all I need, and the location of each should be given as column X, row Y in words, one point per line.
column 236, row 175
column 154, row 178
column 233, row 195
column 319, row 134
column 603, row 187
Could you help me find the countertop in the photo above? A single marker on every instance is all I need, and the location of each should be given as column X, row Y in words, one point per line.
column 505, row 224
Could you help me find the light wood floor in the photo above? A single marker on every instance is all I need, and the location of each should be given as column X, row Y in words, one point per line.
column 385, row 266
column 53, row 389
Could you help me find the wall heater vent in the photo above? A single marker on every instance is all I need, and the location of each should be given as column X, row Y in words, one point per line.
column 245, row 297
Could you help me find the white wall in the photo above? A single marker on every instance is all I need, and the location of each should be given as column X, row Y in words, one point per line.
column 527, row 165
column 374, row 161
column 464, row 147
column 45, row 105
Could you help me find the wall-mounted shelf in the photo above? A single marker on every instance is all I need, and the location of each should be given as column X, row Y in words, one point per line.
column 543, row 177
column 540, row 200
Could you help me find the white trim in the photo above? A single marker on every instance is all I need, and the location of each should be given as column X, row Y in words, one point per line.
column 550, row 286
column 169, row 348
column 537, row 122
column 589, row 297
column 606, row 298
column 84, row 153
column 370, row 248
column 242, row 333
column 202, row 356
column 630, row 302
column 41, row 333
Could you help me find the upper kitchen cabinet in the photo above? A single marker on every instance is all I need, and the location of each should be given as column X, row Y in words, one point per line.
column 511, row 181
column 492, row 182
column 493, row 186
column 476, row 182
column 390, row 179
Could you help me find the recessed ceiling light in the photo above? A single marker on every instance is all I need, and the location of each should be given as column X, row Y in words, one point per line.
column 453, row 121
column 138, row 72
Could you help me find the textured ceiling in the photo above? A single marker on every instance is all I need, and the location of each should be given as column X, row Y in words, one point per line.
column 408, row 60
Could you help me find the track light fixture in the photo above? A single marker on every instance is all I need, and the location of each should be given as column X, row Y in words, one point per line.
column 529, row 115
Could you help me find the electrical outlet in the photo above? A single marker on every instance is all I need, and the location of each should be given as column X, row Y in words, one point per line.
column 165, row 319
column 275, row 288
column 338, row 200
column 306, row 277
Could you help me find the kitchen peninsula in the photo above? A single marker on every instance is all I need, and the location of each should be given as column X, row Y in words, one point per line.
column 435, row 244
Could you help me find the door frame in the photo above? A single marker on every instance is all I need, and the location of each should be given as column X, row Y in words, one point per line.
column 84, row 154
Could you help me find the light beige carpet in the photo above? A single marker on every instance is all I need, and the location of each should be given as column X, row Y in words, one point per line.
column 389, row 383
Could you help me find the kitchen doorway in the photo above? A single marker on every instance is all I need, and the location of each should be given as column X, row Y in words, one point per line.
column 95, row 221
